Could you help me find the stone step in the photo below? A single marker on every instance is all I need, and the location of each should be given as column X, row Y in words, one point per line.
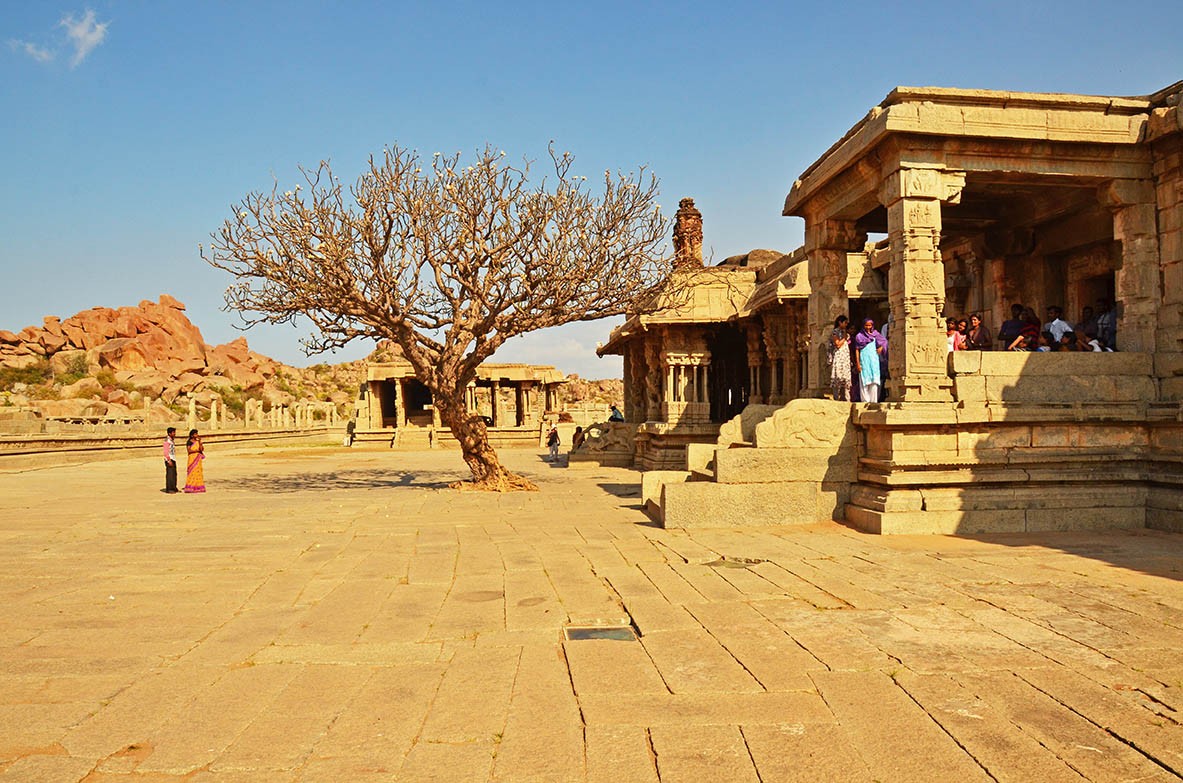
column 703, row 504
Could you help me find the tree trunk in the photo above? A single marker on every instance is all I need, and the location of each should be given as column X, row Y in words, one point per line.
column 469, row 429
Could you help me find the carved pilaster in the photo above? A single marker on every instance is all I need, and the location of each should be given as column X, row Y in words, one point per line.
column 916, row 289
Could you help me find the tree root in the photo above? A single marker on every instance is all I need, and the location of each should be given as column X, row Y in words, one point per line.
column 501, row 482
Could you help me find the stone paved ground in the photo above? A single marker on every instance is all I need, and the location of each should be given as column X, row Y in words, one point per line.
column 330, row 616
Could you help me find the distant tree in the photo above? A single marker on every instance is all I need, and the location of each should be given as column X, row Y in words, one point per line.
column 449, row 260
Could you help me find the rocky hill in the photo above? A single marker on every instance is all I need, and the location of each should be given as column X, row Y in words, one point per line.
column 609, row 391
column 106, row 362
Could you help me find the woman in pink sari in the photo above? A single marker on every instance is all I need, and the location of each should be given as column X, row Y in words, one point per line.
column 194, row 472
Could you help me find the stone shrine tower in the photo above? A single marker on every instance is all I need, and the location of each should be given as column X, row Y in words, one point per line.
column 687, row 234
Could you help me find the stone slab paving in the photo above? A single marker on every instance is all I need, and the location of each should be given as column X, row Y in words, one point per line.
column 327, row 615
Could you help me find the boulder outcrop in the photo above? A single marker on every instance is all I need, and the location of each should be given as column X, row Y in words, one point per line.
column 153, row 350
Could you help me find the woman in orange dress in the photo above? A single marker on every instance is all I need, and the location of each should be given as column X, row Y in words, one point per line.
column 194, row 472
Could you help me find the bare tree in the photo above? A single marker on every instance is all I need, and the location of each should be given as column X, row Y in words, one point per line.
column 447, row 259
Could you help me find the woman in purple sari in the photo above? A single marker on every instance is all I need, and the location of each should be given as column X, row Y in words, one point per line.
column 869, row 345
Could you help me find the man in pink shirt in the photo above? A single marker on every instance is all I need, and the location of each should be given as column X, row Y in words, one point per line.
column 170, row 461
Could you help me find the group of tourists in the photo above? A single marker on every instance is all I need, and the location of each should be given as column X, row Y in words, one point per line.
column 195, row 456
column 857, row 361
column 1096, row 331
column 858, row 358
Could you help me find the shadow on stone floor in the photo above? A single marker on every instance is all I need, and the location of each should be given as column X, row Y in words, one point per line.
column 621, row 489
column 1153, row 552
column 343, row 479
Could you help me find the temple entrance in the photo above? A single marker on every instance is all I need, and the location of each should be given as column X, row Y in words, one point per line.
column 418, row 403
column 862, row 309
column 729, row 377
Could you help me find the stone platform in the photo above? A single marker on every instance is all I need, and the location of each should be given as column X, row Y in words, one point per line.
column 333, row 615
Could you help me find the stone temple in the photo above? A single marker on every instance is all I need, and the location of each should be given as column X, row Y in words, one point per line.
column 938, row 202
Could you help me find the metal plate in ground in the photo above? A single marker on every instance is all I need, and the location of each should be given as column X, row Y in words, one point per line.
column 621, row 633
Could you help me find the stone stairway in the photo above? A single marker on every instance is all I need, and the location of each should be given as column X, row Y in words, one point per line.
column 790, row 465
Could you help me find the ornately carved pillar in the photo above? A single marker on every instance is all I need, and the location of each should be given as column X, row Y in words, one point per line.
column 654, row 388
column 777, row 347
column 755, row 340
column 826, row 244
column 635, row 378
column 798, row 343
column 918, row 349
column 1138, row 279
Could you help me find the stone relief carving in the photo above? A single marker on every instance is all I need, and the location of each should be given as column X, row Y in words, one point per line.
column 922, row 214
column 922, row 182
column 829, row 263
column 610, row 437
column 806, row 422
column 924, row 281
column 929, row 354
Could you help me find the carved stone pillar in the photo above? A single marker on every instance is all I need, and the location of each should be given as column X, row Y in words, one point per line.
column 826, row 244
column 495, row 395
column 191, row 419
column 655, row 389
column 755, row 339
column 400, row 406
column 797, row 339
column 776, row 347
column 373, row 403
column 527, row 414
column 1138, row 279
column 918, row 347
column 635, row 379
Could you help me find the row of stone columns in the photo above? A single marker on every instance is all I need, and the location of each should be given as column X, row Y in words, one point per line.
column 301, row 415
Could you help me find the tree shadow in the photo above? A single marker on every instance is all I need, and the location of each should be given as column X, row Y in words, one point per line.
column 373, row 478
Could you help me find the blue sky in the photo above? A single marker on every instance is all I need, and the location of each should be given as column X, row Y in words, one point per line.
column 131, row 128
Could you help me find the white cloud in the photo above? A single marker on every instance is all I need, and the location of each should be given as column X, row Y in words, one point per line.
column 38, row 53
column 85, row 34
